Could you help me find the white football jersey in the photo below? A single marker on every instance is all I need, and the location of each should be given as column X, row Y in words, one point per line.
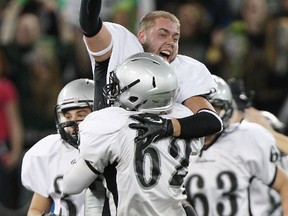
column 43, row 167
column 218, row 179
column 194, row 78
column 149, row 176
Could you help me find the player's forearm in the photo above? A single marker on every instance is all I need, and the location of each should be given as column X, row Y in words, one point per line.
column 281, row 141
column 39, row 205
column 201, row 124
column 176, row 127
column 72, row 184
column 281, row 185
column 38, row 213
column 284, row 200
column 97, row 38
column 34, row 213
column 100, row 45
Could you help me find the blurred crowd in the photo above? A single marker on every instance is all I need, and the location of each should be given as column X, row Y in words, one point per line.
column 41, row 50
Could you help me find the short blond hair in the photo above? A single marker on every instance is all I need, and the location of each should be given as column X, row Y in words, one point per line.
column 148, row 20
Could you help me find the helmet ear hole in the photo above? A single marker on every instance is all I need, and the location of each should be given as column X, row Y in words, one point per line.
column 153, row 82
column 133, row 99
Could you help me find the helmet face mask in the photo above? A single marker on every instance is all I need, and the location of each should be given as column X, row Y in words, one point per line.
column 66, row 132
column 113, row 90
column 145, row 82
column 78, row 94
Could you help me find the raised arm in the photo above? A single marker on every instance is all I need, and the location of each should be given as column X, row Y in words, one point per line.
column 96, row 36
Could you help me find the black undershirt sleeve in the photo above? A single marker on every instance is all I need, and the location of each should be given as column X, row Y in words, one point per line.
column 203, row 123
column 99, row 75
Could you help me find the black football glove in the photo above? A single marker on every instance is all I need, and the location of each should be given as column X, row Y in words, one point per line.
column 151, row 126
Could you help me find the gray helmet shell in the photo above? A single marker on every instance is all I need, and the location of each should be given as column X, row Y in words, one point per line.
column 146, row 83
column 76, row 93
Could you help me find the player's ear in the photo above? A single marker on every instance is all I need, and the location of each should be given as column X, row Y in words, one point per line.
column 141, row 36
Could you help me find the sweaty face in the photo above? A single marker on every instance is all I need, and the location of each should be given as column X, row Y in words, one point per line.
column 161, row 39
column 77, row 115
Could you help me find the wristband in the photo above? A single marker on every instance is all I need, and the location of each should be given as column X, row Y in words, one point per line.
column 100, row 53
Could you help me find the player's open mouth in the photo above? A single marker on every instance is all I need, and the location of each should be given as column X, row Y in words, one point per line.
column 165, row 54
column 74, row 135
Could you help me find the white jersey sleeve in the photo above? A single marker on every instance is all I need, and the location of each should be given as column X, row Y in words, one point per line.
column 43, row 167
column 194, row 78
column 124, row 44
column 34, row 175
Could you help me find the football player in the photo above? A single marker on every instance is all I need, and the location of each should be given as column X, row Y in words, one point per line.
column 219, row 177
column 266, row 200
column 45, row 163
column 150, row 172
column 109, row 44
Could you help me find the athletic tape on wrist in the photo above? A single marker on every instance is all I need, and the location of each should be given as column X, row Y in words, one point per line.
column 100, row 53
